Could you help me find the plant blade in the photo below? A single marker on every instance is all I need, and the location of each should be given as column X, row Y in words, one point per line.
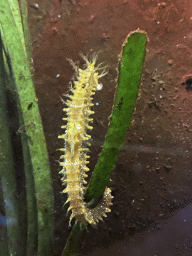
column 130, row 70
column 7, row 172
column 31, row 129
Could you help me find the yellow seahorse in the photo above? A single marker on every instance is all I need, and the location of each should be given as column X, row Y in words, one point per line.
column 75, row 153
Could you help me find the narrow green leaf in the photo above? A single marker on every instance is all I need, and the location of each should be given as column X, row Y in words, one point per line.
column 27, row 36
column 132, row 58
column 74, row 241
column 32, row 230
column 32, row 130
column 7, row 172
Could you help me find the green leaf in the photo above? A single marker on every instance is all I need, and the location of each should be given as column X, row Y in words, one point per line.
column 74, row 241
column 7, row 173
column 130, row 70
column 34, row 145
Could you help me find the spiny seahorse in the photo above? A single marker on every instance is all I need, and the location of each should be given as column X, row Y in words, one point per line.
column 74, row 159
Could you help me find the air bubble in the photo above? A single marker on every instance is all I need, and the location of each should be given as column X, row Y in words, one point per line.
column 99, row 87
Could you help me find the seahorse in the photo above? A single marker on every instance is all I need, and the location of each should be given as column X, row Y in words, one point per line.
column 75, row 159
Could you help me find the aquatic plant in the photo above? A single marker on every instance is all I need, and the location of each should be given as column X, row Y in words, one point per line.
column 88, row 204
column 129, row 75
column 17, row 52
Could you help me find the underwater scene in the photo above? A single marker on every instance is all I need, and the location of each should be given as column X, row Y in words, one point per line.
column 96, row 128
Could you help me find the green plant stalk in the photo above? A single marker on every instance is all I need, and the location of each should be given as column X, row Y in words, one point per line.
column 32, row 130
column 130, row 70
column 27, row 36
column 7, row 173
column 32, row 225
column 32, row 229
column 74, row 241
